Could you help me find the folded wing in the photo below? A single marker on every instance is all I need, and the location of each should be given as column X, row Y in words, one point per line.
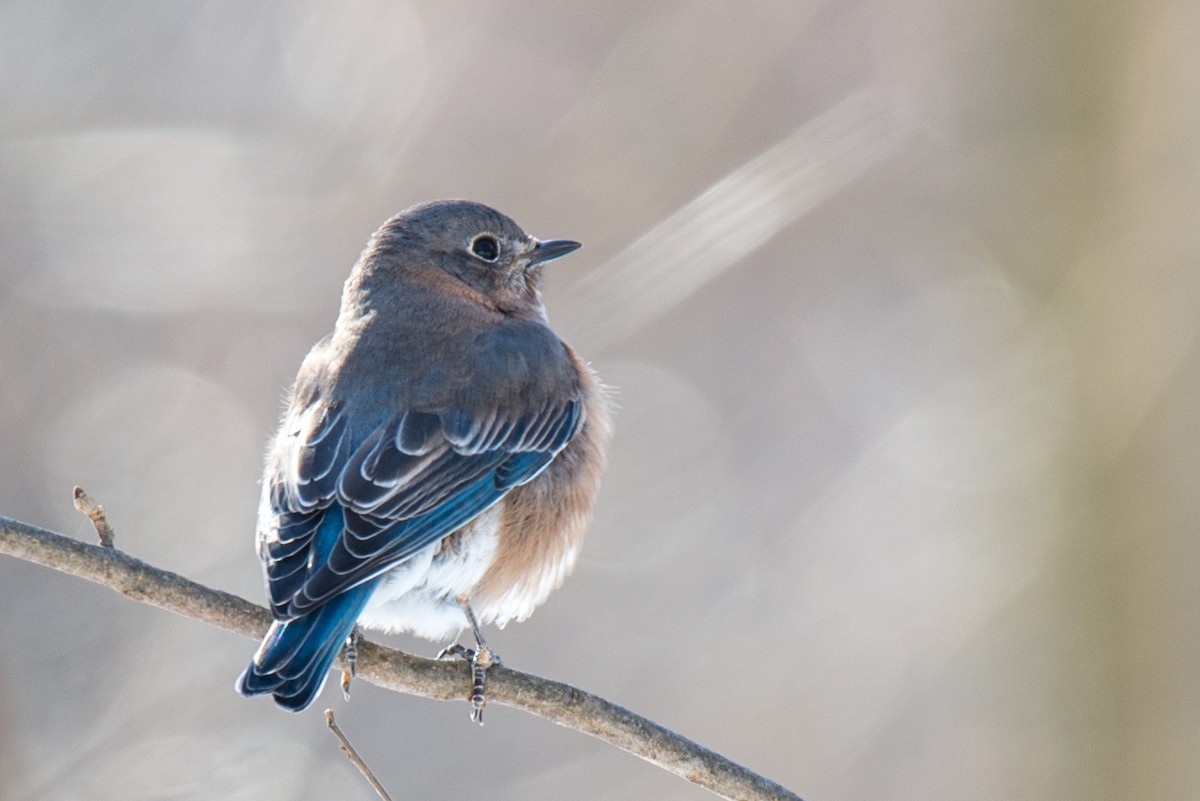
column 412, row 481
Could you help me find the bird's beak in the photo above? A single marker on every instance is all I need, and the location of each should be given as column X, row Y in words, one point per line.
column 551, row 249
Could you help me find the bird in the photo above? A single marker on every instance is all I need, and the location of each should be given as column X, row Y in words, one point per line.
column 439, row 457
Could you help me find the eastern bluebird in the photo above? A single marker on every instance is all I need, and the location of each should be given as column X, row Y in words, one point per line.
column 440, row 453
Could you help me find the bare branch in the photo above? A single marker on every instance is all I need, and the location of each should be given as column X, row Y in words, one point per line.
column 352, row 754
column 395, row 670
column 95, row 513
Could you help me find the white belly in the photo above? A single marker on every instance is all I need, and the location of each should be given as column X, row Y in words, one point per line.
column 420, row 594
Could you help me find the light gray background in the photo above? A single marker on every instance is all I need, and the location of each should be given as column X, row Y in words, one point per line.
column 900, row 300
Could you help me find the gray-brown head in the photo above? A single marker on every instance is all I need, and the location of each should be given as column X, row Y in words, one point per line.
column 477, row 245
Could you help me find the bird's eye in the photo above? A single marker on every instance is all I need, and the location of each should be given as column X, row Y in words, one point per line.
column 486, row 247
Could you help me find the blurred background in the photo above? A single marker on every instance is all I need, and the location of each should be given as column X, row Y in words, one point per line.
column 900, row 304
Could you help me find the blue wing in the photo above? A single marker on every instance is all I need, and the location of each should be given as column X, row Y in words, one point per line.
column 411, row 482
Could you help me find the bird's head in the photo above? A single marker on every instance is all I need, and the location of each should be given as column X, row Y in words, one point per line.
column 475, row 244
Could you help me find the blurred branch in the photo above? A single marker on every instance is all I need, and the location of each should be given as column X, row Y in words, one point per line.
column 352, row 754
column 735, row 216
column 395, row 670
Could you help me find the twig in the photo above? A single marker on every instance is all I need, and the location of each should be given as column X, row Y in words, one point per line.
column 352, row 754
column 394, row 670
column 95, row 513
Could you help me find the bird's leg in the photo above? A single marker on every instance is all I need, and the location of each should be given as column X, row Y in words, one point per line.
column 480, row 643
column 480, row 657
column 350, row 655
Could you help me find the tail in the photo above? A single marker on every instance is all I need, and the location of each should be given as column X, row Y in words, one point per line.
column 294, row 659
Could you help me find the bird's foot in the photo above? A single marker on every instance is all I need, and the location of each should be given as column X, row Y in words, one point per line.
column 350, row 655
column 481, row 658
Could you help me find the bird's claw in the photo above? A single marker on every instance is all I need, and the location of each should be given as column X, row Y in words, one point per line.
column 350, row 656
column 455, row 651
column 481, row 660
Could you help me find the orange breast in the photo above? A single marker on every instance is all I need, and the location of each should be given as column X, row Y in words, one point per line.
column 543, row 523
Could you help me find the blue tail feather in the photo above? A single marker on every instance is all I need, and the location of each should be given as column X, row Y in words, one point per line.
column 296, row 656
